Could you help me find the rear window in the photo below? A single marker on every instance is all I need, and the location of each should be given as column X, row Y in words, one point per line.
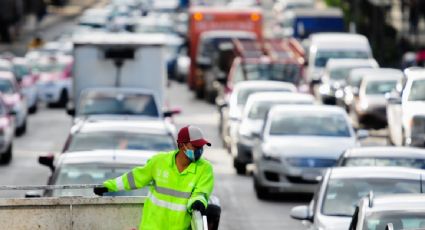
column 387, row 161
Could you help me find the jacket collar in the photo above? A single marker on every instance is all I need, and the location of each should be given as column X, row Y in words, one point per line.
column 190, row 169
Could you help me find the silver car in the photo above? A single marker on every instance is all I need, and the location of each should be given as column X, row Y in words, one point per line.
column 370, row 108
column 392, row 212
column 253, row 115
column 334, row 203
column 297, row 143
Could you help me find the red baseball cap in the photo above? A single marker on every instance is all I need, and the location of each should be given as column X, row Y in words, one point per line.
column 193, row 135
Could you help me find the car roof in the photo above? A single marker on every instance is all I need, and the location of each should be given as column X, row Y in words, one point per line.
column 307, row 109
column 145, row 126
column 376, row 172
column 340, row 40
column 382, row 77
column 5, row 63
column 306, row 12
column 125, row 39
column 117, row 91
column 261, row 84
column 6, row 75
column 364, row 71
column 279, row 96
column 395, row 152
column 415, row 73
column 130, row 157
column 335, row 63
column 398, row 202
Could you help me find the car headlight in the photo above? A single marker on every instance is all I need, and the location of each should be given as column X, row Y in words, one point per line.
column 272, row 157
column 324, row 89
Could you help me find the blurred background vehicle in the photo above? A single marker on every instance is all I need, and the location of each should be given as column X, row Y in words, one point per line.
column 27, row 81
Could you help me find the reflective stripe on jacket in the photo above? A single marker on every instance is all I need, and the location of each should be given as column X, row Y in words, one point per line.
column 171, row 194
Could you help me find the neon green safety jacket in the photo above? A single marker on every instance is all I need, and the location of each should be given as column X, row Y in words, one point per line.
column 171, row 194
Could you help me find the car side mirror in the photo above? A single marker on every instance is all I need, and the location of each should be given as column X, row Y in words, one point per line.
column 70, row 111
column 221, row 103
column 356, row 92
column 47, row 161
column 33, row 194
column 389, row 226
column 171, row 112
column 256, row 135
column 301, row 213
column 362, row 134
column 392, row 99
column 222, row 77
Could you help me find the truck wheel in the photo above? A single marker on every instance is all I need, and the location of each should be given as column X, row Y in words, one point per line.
column 261, row 192
column 240, row 167
column 7, row 156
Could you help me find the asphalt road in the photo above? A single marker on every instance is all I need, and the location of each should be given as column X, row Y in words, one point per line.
column 48, row 129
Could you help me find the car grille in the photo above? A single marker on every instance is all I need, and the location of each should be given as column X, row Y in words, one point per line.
column 311, row 162
column 300, row 180
column 418, row 124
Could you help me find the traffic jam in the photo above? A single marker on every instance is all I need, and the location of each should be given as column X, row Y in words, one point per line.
column 309, row 129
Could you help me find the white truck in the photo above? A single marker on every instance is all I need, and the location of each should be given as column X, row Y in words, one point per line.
column 406, row 110
column 106, row 60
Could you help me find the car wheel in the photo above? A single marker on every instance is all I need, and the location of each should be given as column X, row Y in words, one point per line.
column 22, row 130
column 33, row 109
column 7, row 156
column 261, row 191
column 240, row 167
column 63, row 98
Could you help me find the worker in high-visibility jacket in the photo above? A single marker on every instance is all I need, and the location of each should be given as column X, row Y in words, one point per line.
column 180, row 181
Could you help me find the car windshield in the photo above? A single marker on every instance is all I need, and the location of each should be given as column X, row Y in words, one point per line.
column 342, row 195
column 417, row 92
column 339, row 74
column 49, row 67
column 118, row 104
column 277, row 72
column 308, row 124
column 259, row 110
column 385, row 161
column 6, row 86
column 21, row 71
column 81, row 174
column 323, row 56
column 380, row 87
column 120, row 140
column 399, row 219
column 244, row 94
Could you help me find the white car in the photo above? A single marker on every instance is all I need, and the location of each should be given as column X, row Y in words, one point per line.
column 282, row 5
column 325, row 46
column 406, row 110
column 334, row 79
column 7, row 132
column 232, row 113
column 370, row 107
column 297, row 143
column 341, row 189
column 252, row 121
column 55, row 79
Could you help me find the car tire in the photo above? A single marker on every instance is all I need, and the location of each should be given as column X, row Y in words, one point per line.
column 240, row 167
column 33, row 109
column 261, row 192
column 63, row 100
column 22, row 130
column 7, row 156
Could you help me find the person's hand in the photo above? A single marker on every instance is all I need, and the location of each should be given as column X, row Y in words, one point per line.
column 199, row 206
column 100, row 191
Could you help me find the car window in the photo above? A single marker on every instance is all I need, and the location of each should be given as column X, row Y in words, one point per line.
column 6, row 86
column 302, row 124
column 323, row 56
column 400, row 220
column 384, row 161
column 339, row 74
column 417, row 92
column 259, row 110
column 380, row 87
column 278, row 72
column 244, row 94
column 91, row 174
column 342, row 195
column 118, row 104
column 120, row 140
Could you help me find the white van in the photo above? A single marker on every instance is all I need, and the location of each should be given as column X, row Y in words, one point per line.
column 324, row 46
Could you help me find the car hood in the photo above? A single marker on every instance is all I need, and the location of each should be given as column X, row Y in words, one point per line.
column 295, row 146
column 333, row 223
